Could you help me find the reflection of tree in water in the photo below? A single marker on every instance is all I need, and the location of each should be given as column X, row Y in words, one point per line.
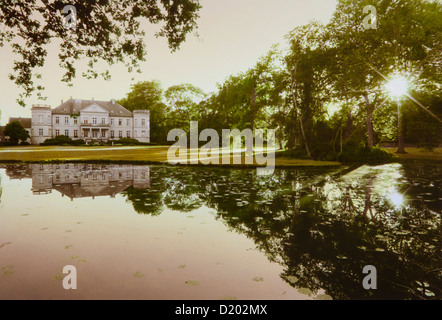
column 323, row 229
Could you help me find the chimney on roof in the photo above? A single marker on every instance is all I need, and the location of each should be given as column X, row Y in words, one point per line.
column 113, row 101
column 61, row 101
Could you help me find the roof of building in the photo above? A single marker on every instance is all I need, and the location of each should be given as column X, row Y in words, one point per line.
column 74, row 106
column 25, row 122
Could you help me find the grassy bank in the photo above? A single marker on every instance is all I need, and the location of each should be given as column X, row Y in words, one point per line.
column 418, row 154
column 133, row 154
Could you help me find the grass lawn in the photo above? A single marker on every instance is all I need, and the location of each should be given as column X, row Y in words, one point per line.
column 418, row 154
column 147, row 154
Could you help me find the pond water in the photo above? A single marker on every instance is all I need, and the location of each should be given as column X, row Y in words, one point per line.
column 159, row 232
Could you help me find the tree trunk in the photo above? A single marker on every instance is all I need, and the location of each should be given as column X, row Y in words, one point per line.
column 252, row 124
column 400, row 134
column 349, row 126
column 370, row 130
column 301, row 126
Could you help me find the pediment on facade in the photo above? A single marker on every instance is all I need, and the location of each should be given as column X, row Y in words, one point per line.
column 94, row 108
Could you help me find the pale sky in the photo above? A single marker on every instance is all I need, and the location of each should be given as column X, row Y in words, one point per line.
column 233, row 34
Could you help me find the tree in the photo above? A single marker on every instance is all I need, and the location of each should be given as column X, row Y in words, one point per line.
column 148, row 95
column 182, row 102
column 107, row 31
column 406, row 41
column 16, row 133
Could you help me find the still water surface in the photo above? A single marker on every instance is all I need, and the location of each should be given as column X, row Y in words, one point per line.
column 154, row 232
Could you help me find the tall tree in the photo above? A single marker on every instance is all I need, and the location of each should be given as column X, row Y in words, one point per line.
column 16, row 133
column 405, row 40
column 148, row 95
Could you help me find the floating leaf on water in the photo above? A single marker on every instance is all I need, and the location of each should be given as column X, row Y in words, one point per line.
column 44, row 229
column 219, row 263
column 139, row 275
column 25, row 215
column 258, row 279
column 160, row 270
column 192, row 282
column 292, row 279
column 7, row 270
column 68, row 246
column 59, row 276
column 379, row 250
column 67, row 231
column 5, row 244
column 182, row 266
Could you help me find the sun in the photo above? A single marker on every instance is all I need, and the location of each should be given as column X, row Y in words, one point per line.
column 397, row 86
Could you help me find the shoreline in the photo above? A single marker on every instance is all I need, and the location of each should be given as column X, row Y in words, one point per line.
column 157, row 155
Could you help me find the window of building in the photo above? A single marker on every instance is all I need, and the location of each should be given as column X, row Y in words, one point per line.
column 57, row 132
column 86, row 121
column 86, row 133
column 120, row 122
column 143, row 122
column 57, row 119
column 128, row 122
column 112, row 134
column 95, row 134
column 103, row 121
column 75, row 133
column 128, row 134
column 120, row 134
column 143, row 133
column 75, row 121
column 40, row 132
column 66, row 120
column 112, row 121
column 94, row 120
column 66, row 133
column 40, row 118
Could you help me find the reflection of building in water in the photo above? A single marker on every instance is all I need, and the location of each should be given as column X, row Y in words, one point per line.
column 88, row 180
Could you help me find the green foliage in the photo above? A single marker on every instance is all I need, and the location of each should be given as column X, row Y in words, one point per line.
column 364, row 154
column 148, row 95
column 62, row 141
column 129, row 142
column 16, row 133
column 107, row 31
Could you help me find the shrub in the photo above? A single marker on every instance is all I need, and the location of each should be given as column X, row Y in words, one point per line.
column 62, row 141
column 363, row 154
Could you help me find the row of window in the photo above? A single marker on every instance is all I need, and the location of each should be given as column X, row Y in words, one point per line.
column 95, row 121
column 95, row 133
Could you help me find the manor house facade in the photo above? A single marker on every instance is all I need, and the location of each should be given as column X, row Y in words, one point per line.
column 90, row 120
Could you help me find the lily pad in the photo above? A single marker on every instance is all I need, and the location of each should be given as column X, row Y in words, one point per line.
column 139, row 275
column 192, row 283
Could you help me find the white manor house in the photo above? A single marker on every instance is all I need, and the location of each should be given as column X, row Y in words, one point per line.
column 90, row 120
